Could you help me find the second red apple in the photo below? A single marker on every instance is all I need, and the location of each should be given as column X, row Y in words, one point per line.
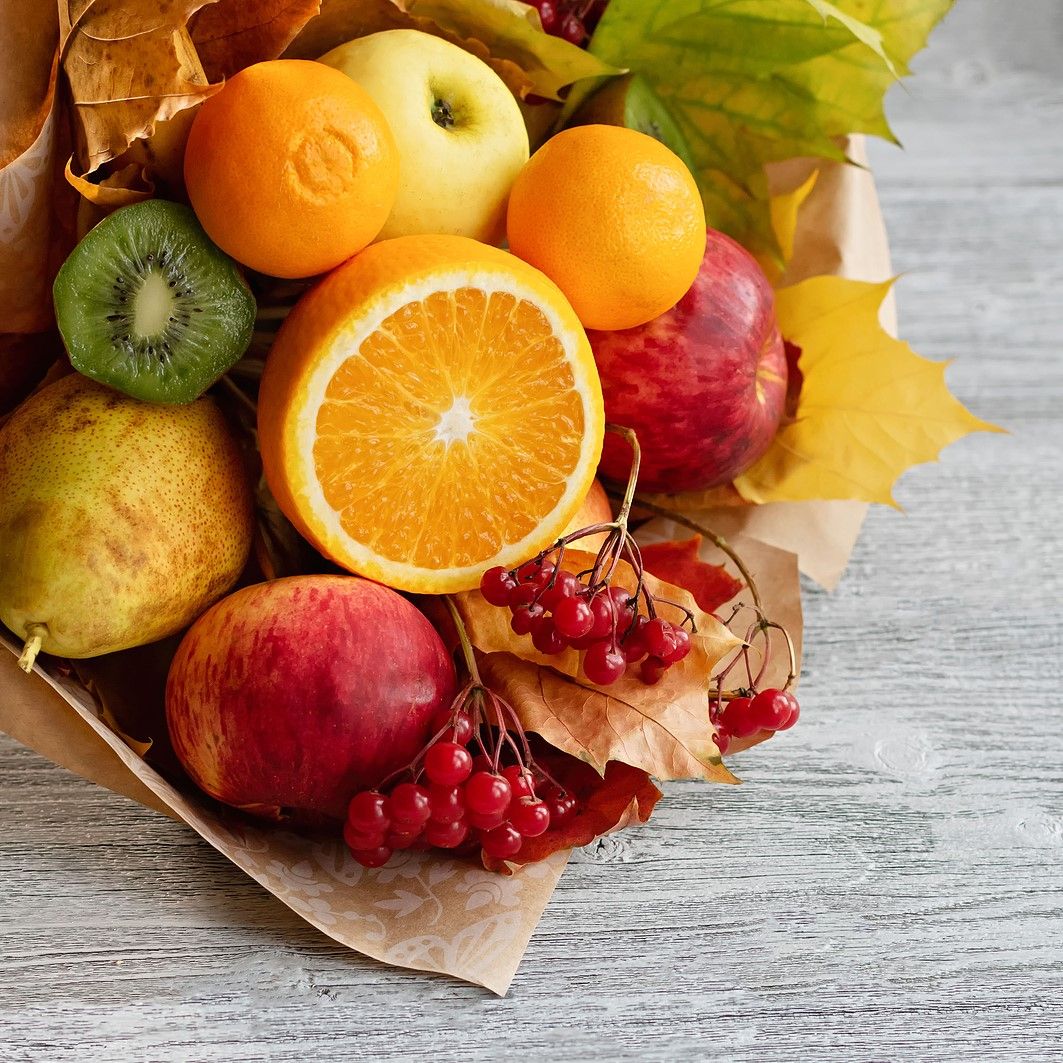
column 704, row 384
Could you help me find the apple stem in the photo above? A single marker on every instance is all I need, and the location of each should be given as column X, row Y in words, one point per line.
column 32, row 646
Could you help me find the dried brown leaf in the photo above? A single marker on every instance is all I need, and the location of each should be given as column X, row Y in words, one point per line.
column 129, row 64
column 343, row 20
column 231, row 34
column 662, row 729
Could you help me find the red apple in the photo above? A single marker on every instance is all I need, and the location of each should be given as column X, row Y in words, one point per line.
column 703, row 385
column 287, row 697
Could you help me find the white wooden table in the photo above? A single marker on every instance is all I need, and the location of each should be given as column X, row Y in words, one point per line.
column 888, row 884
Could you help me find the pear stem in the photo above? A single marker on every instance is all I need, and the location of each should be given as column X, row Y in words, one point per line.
column 32, row 646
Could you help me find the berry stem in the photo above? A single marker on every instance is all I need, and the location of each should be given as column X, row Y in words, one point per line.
column 32, row 646
column 717, row 540
column 764, row 623
column 791, row 675
column 628, row 434
column 466, row 645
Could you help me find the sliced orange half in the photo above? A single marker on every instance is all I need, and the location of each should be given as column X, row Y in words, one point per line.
column 431, row 409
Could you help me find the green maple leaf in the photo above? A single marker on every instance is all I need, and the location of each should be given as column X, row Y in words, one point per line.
column 758, row 81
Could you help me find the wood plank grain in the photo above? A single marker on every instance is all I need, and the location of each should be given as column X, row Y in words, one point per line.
column 888, row 883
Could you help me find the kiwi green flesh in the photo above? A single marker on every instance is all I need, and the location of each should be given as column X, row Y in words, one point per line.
column 149, row 305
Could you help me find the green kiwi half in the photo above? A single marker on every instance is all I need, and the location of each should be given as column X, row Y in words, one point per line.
column 147, row 304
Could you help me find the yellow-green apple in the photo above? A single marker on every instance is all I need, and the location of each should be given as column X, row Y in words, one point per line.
column 460, row 133
column 288, row 697
column 704, row 384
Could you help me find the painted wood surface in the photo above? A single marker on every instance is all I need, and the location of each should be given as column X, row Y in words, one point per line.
column 888, row 885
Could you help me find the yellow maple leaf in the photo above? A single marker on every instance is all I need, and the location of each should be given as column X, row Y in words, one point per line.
column 869, row 407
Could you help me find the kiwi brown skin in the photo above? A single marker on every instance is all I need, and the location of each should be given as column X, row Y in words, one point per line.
column 147, row 304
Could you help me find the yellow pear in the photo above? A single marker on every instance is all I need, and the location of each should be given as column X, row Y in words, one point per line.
column 120, row 521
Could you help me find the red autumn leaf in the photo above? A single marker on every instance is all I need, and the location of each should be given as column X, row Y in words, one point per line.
column 678, row 563
column 624, row 796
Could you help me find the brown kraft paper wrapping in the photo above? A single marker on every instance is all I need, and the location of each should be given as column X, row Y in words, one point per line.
column 423, row 910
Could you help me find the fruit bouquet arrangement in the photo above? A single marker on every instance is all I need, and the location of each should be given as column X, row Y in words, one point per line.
column 382, row 379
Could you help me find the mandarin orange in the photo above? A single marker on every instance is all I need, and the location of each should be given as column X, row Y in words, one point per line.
column 291, row 167
column 614, row 218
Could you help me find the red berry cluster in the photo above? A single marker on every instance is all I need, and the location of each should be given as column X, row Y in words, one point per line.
column 451, row 799
column 572, row 20
column 559, row 611
column 770, row 710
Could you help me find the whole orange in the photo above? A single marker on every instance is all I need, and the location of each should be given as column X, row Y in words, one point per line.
column 614, row 219
column 291, row 168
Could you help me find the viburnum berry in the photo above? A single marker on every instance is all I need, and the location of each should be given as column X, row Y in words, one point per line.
column 546, row 638
column 521, row 781
column 502, row 842
column 771, row 708
column 458, row 723
column 652, row 670
column 572, row 29
column 376, row 857
column 622, row 600
column 659, row 637
column 681, row 646
column 368, row 812
column 538, row 573
column 409, row 804
column 530, row 816
column 795, row 712
column 446, row 803
column 573, row 618
column 604, row 616
column 548, row 15
column 562, row 809
column 446, row 835
column 524, row 618
column 632, row 644
column 565, row 585
column 447, row 764
column 722, row 739
column 496, row 584
column 487, row 794
column 357, row 839
column 523, row 594
column 461, row 733
column 402, row 839
column 485, row 822
column 738, row 718
column 603, row 663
